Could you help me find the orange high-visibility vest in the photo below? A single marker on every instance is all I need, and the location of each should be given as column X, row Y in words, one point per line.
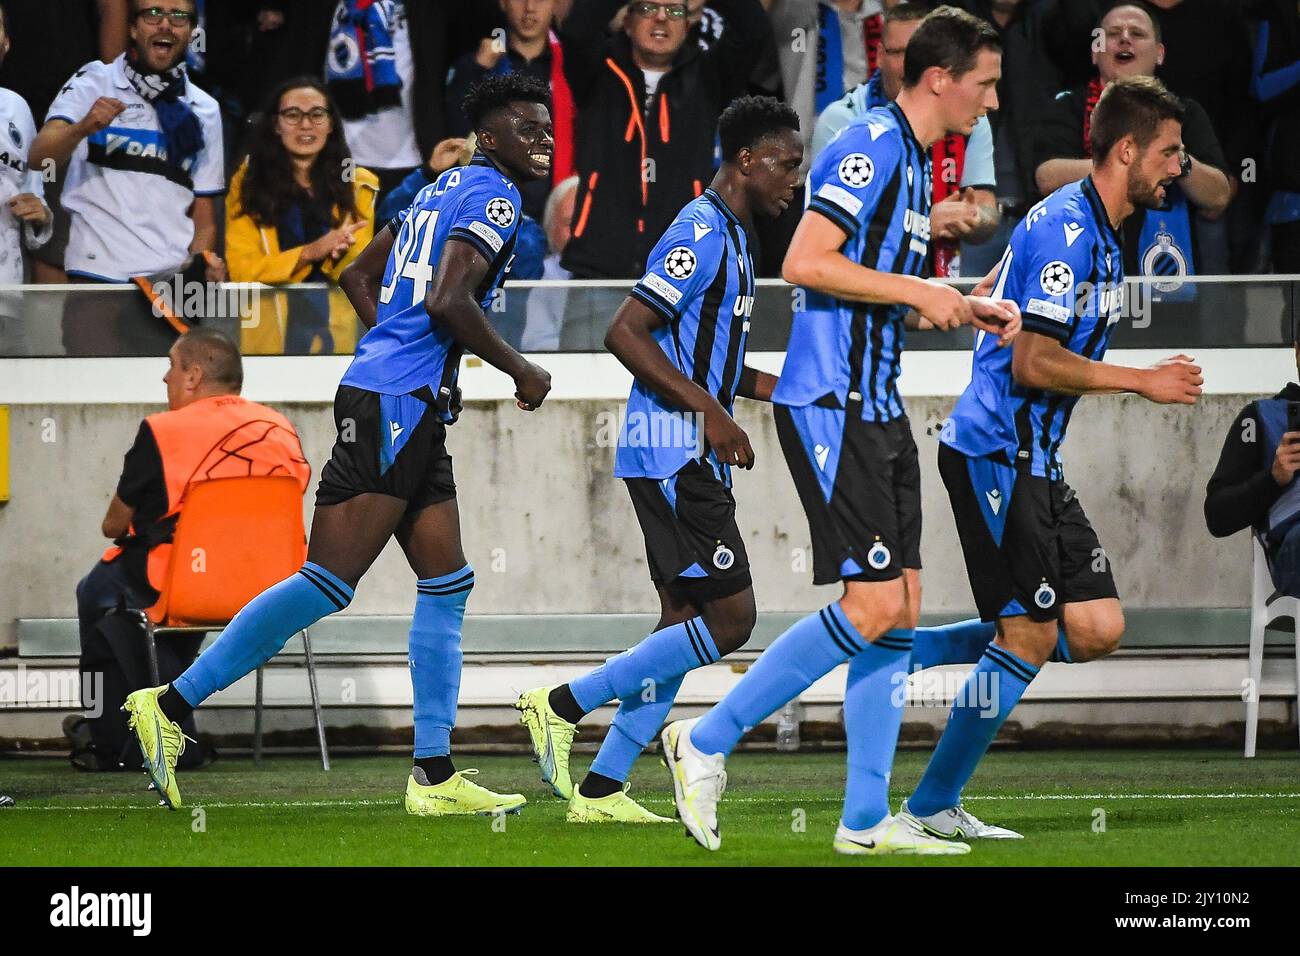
column 224, row 436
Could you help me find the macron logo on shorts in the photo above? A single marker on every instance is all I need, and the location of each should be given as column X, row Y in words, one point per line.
column 394, row 430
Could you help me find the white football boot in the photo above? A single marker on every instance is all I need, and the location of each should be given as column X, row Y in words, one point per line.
column 959, row 823
column 698, row 783
column 900, row 834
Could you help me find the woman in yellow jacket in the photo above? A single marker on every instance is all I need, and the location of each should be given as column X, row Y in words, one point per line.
column 298, row 210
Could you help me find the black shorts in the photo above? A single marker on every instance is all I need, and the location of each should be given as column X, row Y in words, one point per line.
column 1029, row 547
column 691, row 540
column 860, row 485
column 387, row 444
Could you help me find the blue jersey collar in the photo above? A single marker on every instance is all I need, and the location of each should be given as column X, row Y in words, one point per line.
column 712, row 196
column 903, row 123
column 1099, row 211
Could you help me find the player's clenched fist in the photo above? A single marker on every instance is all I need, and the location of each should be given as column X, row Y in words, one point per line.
column 942, row 306
column 531, row 386
column 727, row 439
column 1173, row 381
column 1000, row 317
column 102, row 113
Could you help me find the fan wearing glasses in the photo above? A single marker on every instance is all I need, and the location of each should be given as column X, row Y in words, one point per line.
column 648, row 102
column 139, row 148
column 299, row 210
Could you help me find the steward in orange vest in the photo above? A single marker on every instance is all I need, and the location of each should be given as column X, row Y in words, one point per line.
column 209, row 431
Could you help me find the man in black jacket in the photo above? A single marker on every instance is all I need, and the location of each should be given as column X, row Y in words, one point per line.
column 648, row 106
column 1254, row 486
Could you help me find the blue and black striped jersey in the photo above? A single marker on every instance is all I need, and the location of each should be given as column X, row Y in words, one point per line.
column 700, row 279
column 873, row 181
column 1064, row 267
column 406, row 349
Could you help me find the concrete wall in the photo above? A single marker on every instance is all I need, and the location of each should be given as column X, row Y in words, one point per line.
column 549, row 530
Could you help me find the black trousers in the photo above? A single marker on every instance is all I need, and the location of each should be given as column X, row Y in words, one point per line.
column 114, row 661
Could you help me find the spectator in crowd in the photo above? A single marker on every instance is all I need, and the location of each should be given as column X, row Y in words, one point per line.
column 1254, row 486
column 545, row 313
column 35, row 69
column 1275, row 82
column 142, row 150
column 298, row 211
column 530, row 47
column 393, row 115
column 839, row 40
column 965, row 205
column 209, row 431
column 371, row 74
column 434, row 35
column 648, row 106
column 25, row 219
column 1156, row 242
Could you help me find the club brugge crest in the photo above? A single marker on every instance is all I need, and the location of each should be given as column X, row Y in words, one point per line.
column 344, row 53
column 1044, row 597
column 1164, row 260
column 16, row 136
column 878, row 557
column 723, row 558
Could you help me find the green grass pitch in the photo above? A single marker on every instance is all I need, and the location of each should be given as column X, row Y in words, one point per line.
column 1094, row 808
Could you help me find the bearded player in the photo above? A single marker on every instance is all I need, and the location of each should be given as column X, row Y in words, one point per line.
column 1031, row 554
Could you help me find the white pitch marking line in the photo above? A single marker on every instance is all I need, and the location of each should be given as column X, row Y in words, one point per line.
column 395, row 801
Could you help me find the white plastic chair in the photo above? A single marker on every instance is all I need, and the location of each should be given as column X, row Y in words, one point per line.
column 1262, row 613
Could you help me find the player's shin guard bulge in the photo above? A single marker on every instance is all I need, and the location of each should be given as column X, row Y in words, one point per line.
column 435, row 658
column 809, row 650
column 873, row 713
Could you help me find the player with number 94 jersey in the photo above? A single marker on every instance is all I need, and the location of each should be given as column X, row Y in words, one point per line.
column 405, row 351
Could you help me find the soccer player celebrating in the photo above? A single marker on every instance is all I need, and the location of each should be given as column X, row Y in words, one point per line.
column 421, row 286
column 1035, row 564
column 681, row 332
column 859, row 252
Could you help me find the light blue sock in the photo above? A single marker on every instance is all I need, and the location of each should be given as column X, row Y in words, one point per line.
column 988, row 696
column 665, row 655
column 635, row 724
column 962, row 642
column 261, row 630
column 873, row 712
column 810, row 649
column 435, row 658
